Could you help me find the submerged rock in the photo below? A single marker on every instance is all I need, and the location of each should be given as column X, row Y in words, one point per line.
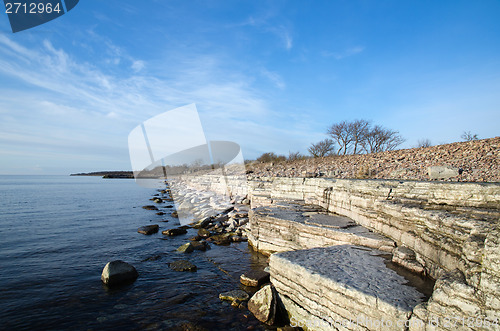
column 182, row 265
column 174, row 214
column 263, row 305
column 235, row 295
column 150, row 207
column 254, row 278
column 118, row 272
column 148, row 229
column 174, row 232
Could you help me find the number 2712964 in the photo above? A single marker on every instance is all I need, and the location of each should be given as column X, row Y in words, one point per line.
column 31, row 8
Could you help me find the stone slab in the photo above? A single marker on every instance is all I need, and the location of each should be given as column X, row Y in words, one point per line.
column 344, row 282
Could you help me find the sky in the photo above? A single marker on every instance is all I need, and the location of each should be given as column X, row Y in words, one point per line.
column 271, row 76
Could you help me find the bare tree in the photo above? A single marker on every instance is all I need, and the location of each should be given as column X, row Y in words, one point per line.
column 322, row 148
column 358, row 129
column 468, row 136
column 294, row 156
column 424, row 143
column 379, row 139
column 341, row 133
column 271, row 157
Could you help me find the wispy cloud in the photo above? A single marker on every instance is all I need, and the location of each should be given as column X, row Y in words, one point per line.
column 138, row 65
column 265, row 23
column 275, row 78
column 68, row 97
column 343, row 54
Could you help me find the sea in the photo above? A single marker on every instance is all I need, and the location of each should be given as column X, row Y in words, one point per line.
column 58, row 232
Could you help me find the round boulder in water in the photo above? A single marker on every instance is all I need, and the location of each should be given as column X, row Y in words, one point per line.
column 118, row 272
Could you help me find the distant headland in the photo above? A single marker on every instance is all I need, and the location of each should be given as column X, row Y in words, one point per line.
column 107, row 174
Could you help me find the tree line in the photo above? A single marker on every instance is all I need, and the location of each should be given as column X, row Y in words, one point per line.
column 353, row 137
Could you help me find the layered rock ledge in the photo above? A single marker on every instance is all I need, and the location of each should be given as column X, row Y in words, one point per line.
column 448, row 231
column 290, row 225
column 348, row 286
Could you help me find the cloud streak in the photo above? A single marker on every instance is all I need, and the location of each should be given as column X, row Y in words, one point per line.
column 343, row 54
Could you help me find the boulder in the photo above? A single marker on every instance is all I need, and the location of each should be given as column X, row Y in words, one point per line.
column 148, row 229
column 182, row 265
column 263, row 305
column 235, row 295
column 443, row 172
column 118, row 272
column 186, row 248
column 150, row 207
column 254, row 278
column 174, row 232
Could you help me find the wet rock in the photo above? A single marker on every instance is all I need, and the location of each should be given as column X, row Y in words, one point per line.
column 148, row 229
column 174, row 232
column 174, row 214
column 254, row 278
column 238, row 239
column 186, row 248
column 221, row 239
column 235, row 295
column 118, row 272
column 263, row 305
column 182, row 265
column 203, row 223
column 200, row 245
column 168, row 206
column 157, row 200
column 150, row 207
column 160, row 213
column 204, row 233
column 195, row 238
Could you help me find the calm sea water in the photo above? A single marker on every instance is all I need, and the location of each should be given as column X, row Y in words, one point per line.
column 58, row 232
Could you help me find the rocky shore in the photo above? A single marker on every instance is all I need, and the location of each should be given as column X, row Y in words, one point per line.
column 474, row 161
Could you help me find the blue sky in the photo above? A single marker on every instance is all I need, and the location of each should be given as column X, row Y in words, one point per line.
column 269, row 75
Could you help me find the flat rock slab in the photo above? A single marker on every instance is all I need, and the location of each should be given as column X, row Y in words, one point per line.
column 343, row 282
column 254, row 278
column 329, row 221
column 174, row 232
column 148, row 229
